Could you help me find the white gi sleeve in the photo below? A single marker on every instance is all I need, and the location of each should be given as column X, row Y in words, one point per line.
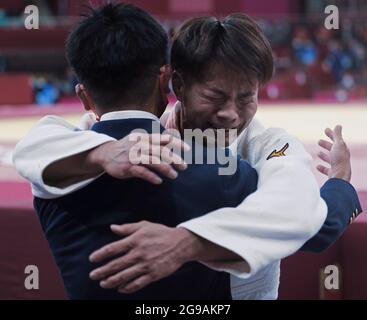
column 53, row 139
column 276, row 220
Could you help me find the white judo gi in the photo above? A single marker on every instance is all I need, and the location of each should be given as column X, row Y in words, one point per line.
column 270, row 224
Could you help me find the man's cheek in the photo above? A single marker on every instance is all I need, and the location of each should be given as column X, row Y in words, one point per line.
column 198, row 119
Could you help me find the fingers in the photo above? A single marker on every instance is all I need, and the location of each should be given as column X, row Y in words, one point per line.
column 160, row 139
column 155, row 154
column 144, row 157
column 174, row 143
column 338, row 155
column 323, row 170
column 147, row 175
column 136, row 284
column 113, row 267
column 110, row 250
column 325, row 144
column 122, row 277
column 172, row 158
column 330, row 133
column 336, row 136
column 323, row 156
column 164, row 169
column 127, row 229
column 164, row 154
column 338, row 133
column 142, row 166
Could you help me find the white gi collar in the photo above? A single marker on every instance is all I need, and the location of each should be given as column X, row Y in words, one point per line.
column 128, row 114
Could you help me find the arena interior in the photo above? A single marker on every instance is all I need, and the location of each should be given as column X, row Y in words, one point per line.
column 320, row 81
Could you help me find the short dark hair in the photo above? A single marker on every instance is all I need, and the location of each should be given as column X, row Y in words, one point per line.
column 235, row 41
column 116, row 51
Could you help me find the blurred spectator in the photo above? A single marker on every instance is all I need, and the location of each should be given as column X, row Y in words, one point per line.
column 304, row 48
column 46, row 92
column 338, row 60
column 310, row 59
column 330, row 60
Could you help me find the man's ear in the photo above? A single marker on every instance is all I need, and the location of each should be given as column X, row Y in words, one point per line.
column 164, row 78
column 178, row 85
column 85, row 98
column 164, row 90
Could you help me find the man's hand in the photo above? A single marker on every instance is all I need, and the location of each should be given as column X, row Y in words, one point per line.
column 338, row 155
column 150, row 252
column 137, row 155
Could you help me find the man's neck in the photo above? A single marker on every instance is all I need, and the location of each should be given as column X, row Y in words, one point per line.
column 127, row 108
column 147, row 106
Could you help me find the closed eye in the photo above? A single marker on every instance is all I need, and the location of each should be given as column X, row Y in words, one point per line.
column 246, row 101
column 215, row 99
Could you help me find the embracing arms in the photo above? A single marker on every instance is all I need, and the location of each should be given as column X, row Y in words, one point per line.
column 272, row 223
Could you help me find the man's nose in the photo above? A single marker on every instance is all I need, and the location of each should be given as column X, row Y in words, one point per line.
column 228, row 116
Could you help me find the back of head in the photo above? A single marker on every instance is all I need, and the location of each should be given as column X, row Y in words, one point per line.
column 116, row 51
column 235, row 41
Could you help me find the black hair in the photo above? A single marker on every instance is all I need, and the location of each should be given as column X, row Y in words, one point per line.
column 116, row 51
column 236, row 41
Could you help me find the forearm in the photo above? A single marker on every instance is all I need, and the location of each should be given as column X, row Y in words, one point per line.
column 196, row 248
column 73, row 169
column 52, row 152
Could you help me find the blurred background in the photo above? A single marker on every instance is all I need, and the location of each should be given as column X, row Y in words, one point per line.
column 320, row 81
